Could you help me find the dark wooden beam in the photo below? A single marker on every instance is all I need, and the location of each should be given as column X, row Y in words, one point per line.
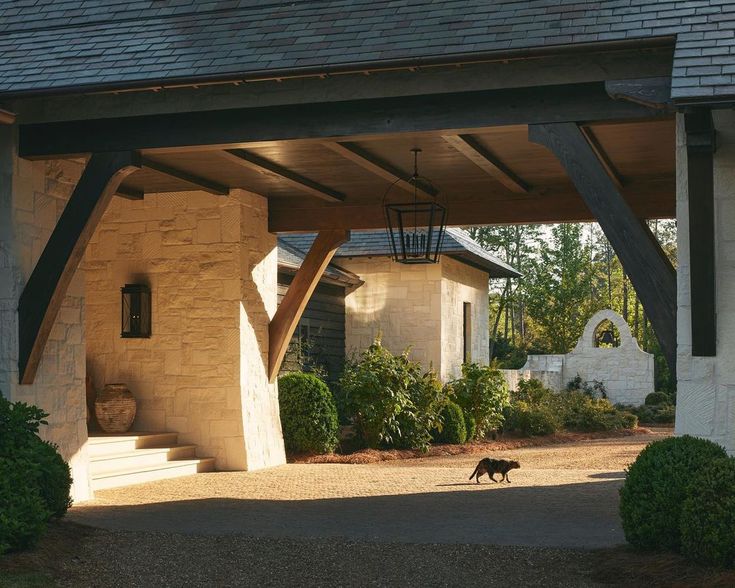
column 196, row 182
column 701, row 145
column 44, row 293
column 380, row 167
column 455, row 113
column 468, row 146
column 603, row 157
column 289, row 312
column 650, row 92
column 129, row 193
column 654, row 198
column 262, row 165
column 642, row 258
column 6, row 117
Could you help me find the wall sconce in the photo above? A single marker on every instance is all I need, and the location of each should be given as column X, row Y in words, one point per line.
column 136, row 311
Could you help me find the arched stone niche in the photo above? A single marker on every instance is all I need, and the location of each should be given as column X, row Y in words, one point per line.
column 626, row 370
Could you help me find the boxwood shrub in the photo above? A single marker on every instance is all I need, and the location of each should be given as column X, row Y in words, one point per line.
column 708, row 516
column 23, row 512
column 656, row 398
column 308, row 414
column 657, row 484
column 453, row 429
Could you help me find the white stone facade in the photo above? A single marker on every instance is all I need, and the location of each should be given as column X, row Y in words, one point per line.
column 626, row 371
column 211, row 266
column 418, row 306
column 706, row 385
column 32, row 197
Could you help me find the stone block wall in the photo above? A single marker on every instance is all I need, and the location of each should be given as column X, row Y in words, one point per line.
column 420, row 306
column 190, row 376
column 401, row 302
column 706, row 385
column 462, row 283
column 32, row 197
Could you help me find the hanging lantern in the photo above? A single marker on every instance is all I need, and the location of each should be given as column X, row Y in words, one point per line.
column 136, row 311
column 415, row 229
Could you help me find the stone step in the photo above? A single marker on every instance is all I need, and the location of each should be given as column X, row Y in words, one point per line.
column 111, row 444
column 171, row 469
column 140, row 458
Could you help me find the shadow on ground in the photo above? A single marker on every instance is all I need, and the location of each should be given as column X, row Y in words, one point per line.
column 571, row 515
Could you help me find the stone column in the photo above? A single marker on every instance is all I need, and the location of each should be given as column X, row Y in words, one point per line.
column 32, row 198
column 706, row 385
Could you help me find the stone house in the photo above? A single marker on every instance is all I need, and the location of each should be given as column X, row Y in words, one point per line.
column 438, row 310
column 167, row 146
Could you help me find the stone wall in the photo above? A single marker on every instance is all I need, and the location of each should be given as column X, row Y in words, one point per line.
column 462, row 283
column 400, row 302
column 212, row 278
column 32, row 197
column 706, row 385
column 420, row 306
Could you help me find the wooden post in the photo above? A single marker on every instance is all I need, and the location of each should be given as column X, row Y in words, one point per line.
column 641, row 256
column 44, row 293
column 289, row 312
column 700, row 133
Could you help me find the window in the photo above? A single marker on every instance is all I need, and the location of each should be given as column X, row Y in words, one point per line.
column 467, row 331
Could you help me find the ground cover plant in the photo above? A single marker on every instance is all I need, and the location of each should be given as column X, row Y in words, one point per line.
column 35, row 481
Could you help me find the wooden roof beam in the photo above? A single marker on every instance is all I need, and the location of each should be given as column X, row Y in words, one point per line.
column 262, row 165
column 468, row 146
column 379, row 167
column 197, row 182
column 129, row 193
column 602, row 157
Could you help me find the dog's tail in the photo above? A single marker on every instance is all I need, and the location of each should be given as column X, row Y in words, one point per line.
column 473, row 473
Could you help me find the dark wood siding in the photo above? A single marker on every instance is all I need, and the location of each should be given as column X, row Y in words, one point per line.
column 323, row 325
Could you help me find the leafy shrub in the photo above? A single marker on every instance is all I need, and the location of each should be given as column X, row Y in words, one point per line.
column 660, row 413
column 483, row 393
column 581, row 412
column 23, row 512
column 656, row 398
column 52, row 474
column 708, row 516
column 594, row 389
column 532, row 419
column 532, row 391
column 308, row 413
column 390, row 400
column 657, row 484
column 453, row 430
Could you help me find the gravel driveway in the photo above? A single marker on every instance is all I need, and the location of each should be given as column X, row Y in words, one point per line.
column 563, row 496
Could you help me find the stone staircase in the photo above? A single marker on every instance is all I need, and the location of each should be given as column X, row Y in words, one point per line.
column 135, row 458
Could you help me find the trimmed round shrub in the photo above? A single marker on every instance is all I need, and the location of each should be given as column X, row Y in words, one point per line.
column 308, row 414
column 52, row 473
column 470, row 426
column 708, row 516
column 656, row 398
column 453, row 430
column 532, row 420
column 657, row 484
column 23, row 512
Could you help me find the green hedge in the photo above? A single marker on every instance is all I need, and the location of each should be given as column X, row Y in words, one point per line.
column 308, row 414
column 708, row 516
column 531, row 419
column 656, row 398
column 482, row 393
column 35, row 481
column 453, row 430
column 656, row 486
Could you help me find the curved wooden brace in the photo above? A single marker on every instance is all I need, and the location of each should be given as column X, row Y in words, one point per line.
column 44, row 293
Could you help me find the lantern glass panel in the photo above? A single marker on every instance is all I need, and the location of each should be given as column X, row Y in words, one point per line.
column 416, row 231
column 136, row 311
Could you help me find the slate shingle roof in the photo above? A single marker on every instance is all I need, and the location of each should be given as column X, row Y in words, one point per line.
column 290, row 259
column 457, row 244
column 51, row 45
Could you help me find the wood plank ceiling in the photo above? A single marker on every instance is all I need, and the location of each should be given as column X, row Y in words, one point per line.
column 498, row 166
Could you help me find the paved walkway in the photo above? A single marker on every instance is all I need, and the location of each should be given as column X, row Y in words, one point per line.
column 553, row 501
